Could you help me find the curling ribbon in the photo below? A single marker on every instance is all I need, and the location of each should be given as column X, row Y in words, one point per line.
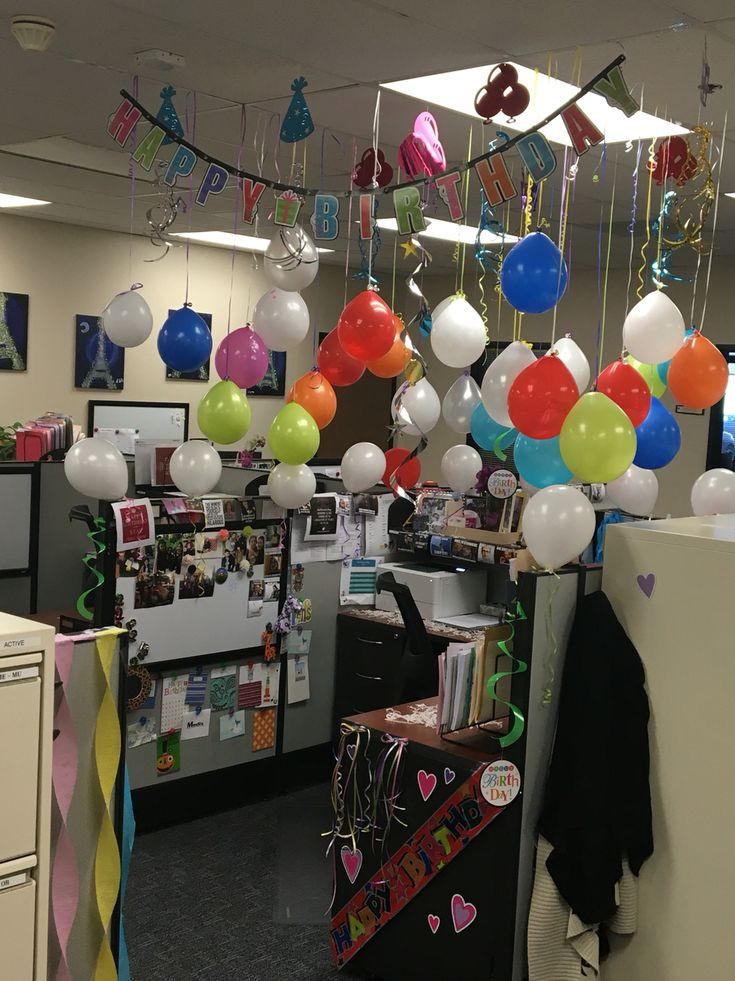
column 422, row 444
column 65, row 875
column 128, row 836
column 498, row 446
column 518, row 667
column 385, row 795
column 107, row 746
column 423, row 317
column 91, row 563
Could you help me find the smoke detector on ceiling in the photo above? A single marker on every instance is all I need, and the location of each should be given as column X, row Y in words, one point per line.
column 32, row 33
column 160, row 60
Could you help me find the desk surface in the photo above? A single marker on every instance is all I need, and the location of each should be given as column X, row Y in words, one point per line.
column 394, row 619
column 475, row 744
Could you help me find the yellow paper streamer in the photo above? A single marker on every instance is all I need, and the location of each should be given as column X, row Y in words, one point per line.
column 107, row 746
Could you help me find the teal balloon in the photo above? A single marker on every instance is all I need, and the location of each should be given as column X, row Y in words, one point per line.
column 539, row 461
column 485, row 431
column 663, row 368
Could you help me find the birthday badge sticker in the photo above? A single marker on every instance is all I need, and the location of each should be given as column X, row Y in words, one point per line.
column 500, row 783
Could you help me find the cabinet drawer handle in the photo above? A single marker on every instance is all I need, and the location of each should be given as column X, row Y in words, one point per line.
column 366, row 640
column 369, row 677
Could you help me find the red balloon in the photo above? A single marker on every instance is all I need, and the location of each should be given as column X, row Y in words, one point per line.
column 698, row 373
column 335, row 364
column 408, row 474
column 627, row 388
column 541, row 396
column 366, row 327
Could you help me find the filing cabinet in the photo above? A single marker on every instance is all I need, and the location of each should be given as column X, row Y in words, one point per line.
column 26, row 734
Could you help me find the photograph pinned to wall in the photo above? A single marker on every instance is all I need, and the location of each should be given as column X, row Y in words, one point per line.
column 232, row 725
column 256, row 597
column 256, row 549
column 273, row 563
column 98, row 363
column 208, row 545
column 14, row 331
column 231, row 509
column 199, row 374
column 197, row 581
column 169, row 553
column 272, row 536
column 274, row 382
column 168, row 754
column 154, row 589
column 272, row 590
column 137, row 562
column 247, row 510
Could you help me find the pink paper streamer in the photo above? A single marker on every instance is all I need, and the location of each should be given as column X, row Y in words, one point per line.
column 65, row 874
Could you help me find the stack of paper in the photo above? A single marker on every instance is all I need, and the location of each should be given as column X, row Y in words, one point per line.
column 464, row 671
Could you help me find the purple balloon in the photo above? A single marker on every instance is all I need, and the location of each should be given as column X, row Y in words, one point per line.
column 242, row 357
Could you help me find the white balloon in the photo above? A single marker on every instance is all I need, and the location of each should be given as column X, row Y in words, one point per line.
column 500, row 376
column 458, row 336
column 441, row 305
column 282, row 319
column 195, row 467
column 460, row 466
column 654, row 329
column 291, row 259
column 420, row 408
column 460, row 402
column 97, row 469
column 558, row 524
column 573, row 357
column 291, row 486
column 714, row 492
column 635, row 491
column 363, row 466
column 127, row 319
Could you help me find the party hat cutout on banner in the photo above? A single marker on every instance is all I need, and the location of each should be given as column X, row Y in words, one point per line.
column 297, row 123
column 167, row 113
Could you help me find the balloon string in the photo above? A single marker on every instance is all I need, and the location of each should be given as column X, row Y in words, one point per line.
column 235, row 217
column 96, row 538
column 562, row 233
column 395, row 257
column 607, row 269
column 190, row 209
column 714, row 226
column 599, row 264
column 376, row 133
column 466, row 202
column 349, row 218
column 644, row 247
column 552, row 645
column 132, row 168
column 631, row 226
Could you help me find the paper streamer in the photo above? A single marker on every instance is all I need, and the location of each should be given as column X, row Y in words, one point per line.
column 91, row 563
column 518, row 667
column 65, row 874
column 128, row 836
column 107, row 745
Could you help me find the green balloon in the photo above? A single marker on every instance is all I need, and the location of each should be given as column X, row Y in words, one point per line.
column 651, row 374
column 597, row 441
column 293, row 436
column 224, row 414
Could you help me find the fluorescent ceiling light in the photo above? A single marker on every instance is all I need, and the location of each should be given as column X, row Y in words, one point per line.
column 450, row 231
column 13, row 201
column 227, row 240
column 730, row 194
column 456, row 90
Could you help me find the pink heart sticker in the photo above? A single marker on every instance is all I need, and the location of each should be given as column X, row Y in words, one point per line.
column 427, row 783
column 352, row 862
column 463, row 913
column 434, row 922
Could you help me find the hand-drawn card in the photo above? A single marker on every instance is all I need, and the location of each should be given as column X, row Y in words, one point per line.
column 232, row 725
column 173, row 697
column 168, row 753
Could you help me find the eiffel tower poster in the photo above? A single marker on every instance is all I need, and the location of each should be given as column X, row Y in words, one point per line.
column 98, row 363
column 13, row 331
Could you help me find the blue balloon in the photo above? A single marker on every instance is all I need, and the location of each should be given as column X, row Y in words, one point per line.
column 663, row 368
column 659, row 438
column 530, row 277
column 485, row 431
column 539, row 461
column 184, row 341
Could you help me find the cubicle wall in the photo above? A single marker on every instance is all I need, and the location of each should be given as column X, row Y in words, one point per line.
column 18, row 537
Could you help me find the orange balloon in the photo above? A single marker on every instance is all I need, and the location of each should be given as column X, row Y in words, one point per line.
column 394, row 362
column 315, row 394
column 697, row 374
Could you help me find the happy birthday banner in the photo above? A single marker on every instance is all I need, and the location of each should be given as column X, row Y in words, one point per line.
column 421, row 147
column 431, row 847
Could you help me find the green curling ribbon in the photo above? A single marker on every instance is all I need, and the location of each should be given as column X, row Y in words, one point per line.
column 518, row 667
column 498, row 446
column 91, row 563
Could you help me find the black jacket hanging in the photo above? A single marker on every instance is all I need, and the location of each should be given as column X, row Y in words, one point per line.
column 597, row 804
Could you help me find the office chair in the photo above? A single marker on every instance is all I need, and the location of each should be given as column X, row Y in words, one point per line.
column 417, row 675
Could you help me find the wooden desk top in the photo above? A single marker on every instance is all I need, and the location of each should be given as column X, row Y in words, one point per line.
column 476, row 744
column 394, row 619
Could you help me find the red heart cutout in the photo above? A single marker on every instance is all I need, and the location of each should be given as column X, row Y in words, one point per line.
column 364, row 171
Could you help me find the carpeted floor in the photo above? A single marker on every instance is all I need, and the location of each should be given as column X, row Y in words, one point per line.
column 240, row 895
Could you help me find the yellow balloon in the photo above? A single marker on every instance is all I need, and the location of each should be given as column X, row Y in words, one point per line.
column 651, row 375
column 224, row 413
column 597, row 441
column 293, row 436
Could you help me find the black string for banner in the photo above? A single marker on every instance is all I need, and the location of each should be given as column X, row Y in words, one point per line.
column 311, row 192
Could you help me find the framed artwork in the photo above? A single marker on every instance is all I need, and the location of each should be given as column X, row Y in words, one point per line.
column 201, row 374
column 274, row 383
column 98, row 363
column 13, row 331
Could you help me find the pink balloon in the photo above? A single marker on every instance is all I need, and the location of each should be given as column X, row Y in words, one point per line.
column 242, row 357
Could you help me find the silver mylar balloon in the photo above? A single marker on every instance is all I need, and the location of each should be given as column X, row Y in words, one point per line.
column 291, row 259
column 460, row 402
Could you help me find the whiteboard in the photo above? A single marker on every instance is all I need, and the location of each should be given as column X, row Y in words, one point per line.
column 15, row 527
column 153, row 420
